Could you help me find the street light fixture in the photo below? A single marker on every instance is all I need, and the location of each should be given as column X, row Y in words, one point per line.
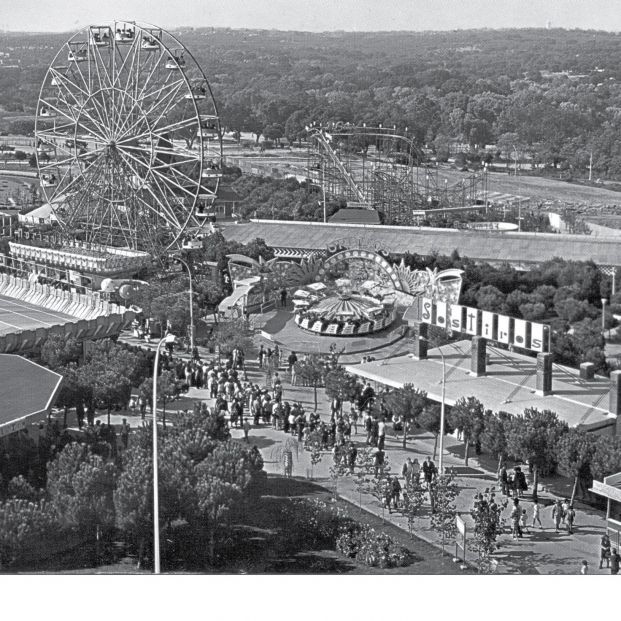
column 604, row 302
column 169, row 338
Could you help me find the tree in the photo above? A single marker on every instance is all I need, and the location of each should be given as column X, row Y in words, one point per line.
column 175, row 308
column 229, row 335
column 58, row 351
column 407, row 403
column 81, row 485
column 488, row 525
column 167, row 389
column 311, row 372
column 341, row 385
column 429, row 420
column 442, row 494
column 133, row 498
column 467, row 416
column 533, row 437
column 574, row 454
column 606, row 458
column 494, row 435
column 295, row 126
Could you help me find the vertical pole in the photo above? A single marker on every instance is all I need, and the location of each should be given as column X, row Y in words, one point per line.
column 191, row 313
column 442, row 413
column 323, row 187
column 156, row 509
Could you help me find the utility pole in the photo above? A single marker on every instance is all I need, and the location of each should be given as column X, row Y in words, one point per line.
column 591, row 167
column 323, row 187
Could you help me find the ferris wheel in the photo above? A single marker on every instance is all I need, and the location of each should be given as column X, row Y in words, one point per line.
column 128, row 139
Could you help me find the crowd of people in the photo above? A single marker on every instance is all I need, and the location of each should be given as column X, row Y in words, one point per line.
column 247, row 405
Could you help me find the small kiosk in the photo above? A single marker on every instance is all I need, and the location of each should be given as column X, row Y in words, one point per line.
column 611, row 490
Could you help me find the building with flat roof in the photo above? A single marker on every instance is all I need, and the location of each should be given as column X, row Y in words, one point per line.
column 27, row 392
column 508, row 384
column 516, row 248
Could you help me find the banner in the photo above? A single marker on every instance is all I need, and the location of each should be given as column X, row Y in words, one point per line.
column 537, row 337
column 492, row 326
column 441, row 314
column 457, row 318
column 472, row 321
column 488, row 325
column 504, row 329
column 519, row 332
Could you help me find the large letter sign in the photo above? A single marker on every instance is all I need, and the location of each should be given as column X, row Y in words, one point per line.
column 492, row 326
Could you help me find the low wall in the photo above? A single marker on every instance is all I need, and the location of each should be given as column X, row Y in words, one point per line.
column 93, row 318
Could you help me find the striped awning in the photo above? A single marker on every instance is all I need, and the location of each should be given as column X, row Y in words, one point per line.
column 297, row 253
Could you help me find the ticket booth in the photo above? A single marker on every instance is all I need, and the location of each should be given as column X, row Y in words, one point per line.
column 611, row 490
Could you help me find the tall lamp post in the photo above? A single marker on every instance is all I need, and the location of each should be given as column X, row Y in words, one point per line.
column 442, row 412
column 604, row 302
column 169, row 338
column 187, row 267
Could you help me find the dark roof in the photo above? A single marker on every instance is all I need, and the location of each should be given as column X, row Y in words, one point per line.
column 355, row 216
column 27, row 390
column 483, row 245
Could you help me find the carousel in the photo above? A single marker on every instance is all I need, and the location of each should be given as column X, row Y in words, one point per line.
column 340, row 310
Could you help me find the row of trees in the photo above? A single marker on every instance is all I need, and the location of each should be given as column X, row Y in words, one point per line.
column 102, row 378
column 535, row 437
column 204, row 476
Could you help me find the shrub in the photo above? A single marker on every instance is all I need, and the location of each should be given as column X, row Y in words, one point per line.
column 25, row 526
column 317, row 523
column 374, row 549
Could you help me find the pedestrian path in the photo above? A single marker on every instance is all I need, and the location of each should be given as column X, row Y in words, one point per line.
column 539, row 551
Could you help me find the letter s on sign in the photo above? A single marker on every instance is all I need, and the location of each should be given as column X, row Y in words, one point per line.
column 426, row 314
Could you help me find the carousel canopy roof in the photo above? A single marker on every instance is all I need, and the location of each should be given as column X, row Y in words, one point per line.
column 354, row 307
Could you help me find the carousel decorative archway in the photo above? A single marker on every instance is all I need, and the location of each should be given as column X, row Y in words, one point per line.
column 354, row 291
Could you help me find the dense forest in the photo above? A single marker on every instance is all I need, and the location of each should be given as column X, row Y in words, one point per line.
column 550, row 95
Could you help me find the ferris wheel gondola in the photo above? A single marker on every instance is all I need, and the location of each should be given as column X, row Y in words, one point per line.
column 129, row 157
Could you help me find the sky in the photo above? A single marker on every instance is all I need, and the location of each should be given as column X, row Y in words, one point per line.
column 313, row 15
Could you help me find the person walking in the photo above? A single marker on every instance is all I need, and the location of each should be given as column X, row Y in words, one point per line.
column 395, row 494
column 516, row 515
column 614, row 562
column 570, row 517
column 536, row 516
column 604, row 550
column 503, row 480
column 124, row 433
column 557, row 515
column 584, row 568
column 246, row 430
column 381, row 434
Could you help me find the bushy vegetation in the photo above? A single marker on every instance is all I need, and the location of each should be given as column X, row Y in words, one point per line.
column 204, row 476
column 551, row 95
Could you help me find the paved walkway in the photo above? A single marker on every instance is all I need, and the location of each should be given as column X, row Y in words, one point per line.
column 540, row 551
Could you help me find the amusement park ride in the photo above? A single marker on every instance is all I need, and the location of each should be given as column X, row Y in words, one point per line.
column 129, row 140
column 382, row 169
column 129, row 153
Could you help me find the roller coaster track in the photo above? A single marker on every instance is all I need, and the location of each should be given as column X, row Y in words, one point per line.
column 324, row 142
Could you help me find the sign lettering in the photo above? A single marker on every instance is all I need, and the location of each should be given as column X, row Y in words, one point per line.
column 492, row 326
